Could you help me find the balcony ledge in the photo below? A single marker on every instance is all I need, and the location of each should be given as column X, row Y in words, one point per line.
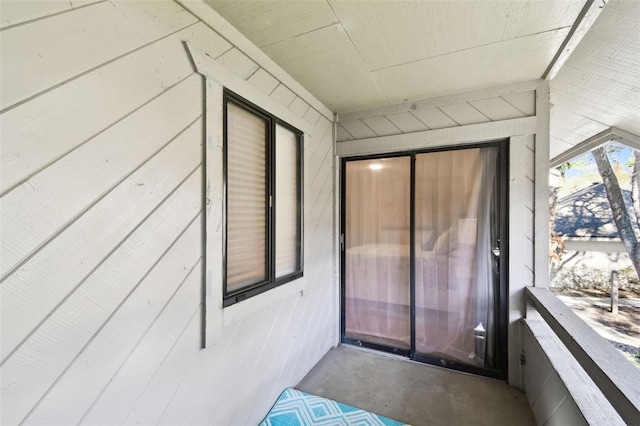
column 616, row 378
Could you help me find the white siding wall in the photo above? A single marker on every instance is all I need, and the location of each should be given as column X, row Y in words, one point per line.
column 550, row 401
column 481, row 106
column 481, row 115
column 101, row 242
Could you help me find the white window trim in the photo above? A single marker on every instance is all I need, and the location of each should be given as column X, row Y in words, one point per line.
column 216, row 77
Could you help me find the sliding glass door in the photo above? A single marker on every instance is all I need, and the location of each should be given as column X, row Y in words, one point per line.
column 421, row 256
column 377, row 213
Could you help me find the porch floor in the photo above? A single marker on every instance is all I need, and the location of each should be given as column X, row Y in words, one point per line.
column 415, row 393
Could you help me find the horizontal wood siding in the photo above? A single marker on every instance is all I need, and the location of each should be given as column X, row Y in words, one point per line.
column 101, row 212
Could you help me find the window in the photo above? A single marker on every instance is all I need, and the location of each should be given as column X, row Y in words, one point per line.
column 263, row 200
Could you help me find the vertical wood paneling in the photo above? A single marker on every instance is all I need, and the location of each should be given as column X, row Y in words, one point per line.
column 541, row 185
column 102, row 192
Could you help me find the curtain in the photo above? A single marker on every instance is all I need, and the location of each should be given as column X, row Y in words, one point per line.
column 287, row 218
column 377, row 251
column 454, row 280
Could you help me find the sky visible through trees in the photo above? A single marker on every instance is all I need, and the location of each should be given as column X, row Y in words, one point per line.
column 583, row 172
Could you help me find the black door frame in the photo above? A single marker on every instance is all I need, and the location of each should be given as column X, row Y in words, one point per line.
column 501, row 295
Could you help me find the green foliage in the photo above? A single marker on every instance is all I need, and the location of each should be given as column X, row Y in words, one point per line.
column 589, row 277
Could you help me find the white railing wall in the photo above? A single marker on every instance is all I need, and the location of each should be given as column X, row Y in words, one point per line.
column 571, row 372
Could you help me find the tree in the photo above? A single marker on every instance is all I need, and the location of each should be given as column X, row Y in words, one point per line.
column 635, row 182
column 616, row 202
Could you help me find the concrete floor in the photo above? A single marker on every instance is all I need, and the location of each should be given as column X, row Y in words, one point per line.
column 414, row 393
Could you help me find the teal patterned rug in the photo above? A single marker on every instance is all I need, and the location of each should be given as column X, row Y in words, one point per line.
column 296, row 408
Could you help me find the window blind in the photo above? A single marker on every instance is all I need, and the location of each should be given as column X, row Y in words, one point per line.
column 287, row 226
column 246, row 198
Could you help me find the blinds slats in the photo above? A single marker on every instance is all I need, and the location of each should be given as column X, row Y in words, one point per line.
column 287, row 257
column 247, row 236
column 246, row 188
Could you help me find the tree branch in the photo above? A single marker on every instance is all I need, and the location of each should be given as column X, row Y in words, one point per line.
column 635, row 185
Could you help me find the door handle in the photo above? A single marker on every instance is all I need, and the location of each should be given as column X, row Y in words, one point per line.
column 496, row 252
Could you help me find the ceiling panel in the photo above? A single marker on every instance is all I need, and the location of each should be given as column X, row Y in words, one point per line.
column 557, row 147
column 326, row 63
column 267, row 22
column 519, row 59
column 573, row 128
column 355, row 55
column 431, row 28
column 601, row 79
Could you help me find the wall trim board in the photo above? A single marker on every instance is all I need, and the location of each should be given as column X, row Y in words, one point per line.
column 579, row 29
column 541, row 184
column 521, row 246
column 212, row 71
column 483, row 132
column 213, row 225
column 218, row 24
column 216, row 77
column 610, row 134
column 474, row 95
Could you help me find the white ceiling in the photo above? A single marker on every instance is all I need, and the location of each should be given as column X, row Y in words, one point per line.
column 355, row 55
column 599, row 85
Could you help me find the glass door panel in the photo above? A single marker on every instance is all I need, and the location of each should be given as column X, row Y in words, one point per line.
column 377, row 230
column 455, row 231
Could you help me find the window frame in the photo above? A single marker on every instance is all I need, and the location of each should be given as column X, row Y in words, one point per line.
column 232, row 297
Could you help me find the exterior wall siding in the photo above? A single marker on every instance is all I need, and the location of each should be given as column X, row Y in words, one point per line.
column 437, row 113
column 101, row 227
